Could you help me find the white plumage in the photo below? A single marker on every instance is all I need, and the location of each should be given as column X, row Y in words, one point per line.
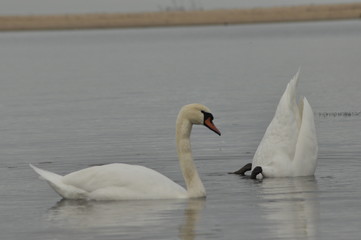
column 119, row 181
column 289, row 146
column 115, row 181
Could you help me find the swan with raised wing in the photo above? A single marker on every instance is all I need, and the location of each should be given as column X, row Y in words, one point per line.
column 289, row 146
column 120, row 181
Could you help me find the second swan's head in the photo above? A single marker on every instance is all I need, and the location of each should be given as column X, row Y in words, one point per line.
column 199, row 114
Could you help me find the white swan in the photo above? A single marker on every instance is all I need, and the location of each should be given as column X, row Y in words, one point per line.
column 289, row 146
column 123, row 181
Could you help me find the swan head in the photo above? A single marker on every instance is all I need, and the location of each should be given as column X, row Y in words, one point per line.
column 200, row 115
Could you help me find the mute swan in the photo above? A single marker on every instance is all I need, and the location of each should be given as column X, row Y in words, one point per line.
column 289, row 146
column 119, row 181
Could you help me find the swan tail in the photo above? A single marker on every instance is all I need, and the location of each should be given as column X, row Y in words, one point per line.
column 46, row 175
column 55, row 181
column 291, row 89
column 288, row 102
column 286, row 119
column 307, row 148
column 294, row 80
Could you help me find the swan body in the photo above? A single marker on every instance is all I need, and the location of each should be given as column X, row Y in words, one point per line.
column 113, row 181
column 289, row 146
column 120, row 181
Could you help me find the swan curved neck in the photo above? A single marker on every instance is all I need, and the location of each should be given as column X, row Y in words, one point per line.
column 195, row 188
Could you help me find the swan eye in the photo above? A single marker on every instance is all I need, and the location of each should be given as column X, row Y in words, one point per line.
column 207, row 115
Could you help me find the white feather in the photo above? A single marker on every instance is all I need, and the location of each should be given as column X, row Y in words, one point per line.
column 119, row 181
column 289, row 145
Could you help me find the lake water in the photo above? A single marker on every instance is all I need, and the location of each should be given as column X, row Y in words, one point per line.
column 71, row 99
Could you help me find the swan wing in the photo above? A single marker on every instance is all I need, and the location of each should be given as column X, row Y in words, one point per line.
column 123, row 181
column 277, row 147
column 305, row 160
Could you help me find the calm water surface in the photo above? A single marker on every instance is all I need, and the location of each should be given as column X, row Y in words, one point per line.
column 72, row 99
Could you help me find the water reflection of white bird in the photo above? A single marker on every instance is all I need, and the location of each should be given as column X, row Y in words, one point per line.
column 291, row 205
column 289, row 146
column 191, row 217
column 131, row 218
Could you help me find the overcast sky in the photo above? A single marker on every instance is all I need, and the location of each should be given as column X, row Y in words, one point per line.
column 10, row 7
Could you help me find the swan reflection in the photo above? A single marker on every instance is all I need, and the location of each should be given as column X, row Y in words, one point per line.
column 292, row 207
column 130, row 218
column 191, row 217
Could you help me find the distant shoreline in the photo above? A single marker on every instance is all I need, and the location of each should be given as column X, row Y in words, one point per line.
column 182, row 18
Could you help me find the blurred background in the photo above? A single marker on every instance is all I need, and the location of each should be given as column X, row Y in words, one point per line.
column 15, row 7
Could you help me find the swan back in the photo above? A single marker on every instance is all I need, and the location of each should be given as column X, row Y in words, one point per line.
column 115, row 181
column 120, row 181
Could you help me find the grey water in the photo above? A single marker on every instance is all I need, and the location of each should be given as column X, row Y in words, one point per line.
column 73, row 99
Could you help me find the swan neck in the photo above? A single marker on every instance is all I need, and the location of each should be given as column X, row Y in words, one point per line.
column 191, row 177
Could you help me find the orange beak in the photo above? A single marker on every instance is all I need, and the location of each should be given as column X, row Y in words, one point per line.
column 209, row 124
